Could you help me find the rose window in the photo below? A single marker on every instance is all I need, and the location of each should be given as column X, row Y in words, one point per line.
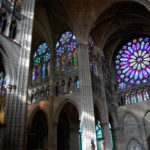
column 133, row 63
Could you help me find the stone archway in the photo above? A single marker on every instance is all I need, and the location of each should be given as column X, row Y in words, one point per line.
column 134, row 145
column 38, row 132
column 68, row 128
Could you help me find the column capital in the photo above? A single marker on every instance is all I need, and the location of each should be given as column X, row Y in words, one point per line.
column 80, row 43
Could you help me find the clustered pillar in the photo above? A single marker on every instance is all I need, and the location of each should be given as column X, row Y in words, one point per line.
column 87, row 110
column 16, row 104
column 104, row 108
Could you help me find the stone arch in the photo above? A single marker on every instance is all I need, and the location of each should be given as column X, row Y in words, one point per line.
column 146, row 121
column 113, row 119
column 38, row 131
column 114, row 125
column 61, row 106
column 130, row 113
column 134, row 144
column 68, row 127
column 131, row 126
column 32, row 114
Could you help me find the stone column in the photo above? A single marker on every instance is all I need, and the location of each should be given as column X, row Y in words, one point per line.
column 54, row 136
column 104, row 108
column 116, row 138
column 17, row 102
column 1, row 3
column 86, row 105
column 9, row 17
column 18, row 32
column 106, row 135
column 144, row 137
column 6, row 33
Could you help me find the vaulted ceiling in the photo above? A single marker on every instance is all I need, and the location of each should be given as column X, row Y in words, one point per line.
column 106, row 20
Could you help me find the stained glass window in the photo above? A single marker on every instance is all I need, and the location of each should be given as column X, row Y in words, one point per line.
column 133, row 63
column 41, row 68
column 66, row 53
column 57, row 89
column 111, row 136
column 8, row 2
column 75, row 59
column 93, row 57
column 57, row 66
column 69, row 62
column 127, row 99
column 94, row 63
column 18, row 4
column 133, row 98
column 43, row 71
column 38, row 74
column 34, row 74
column 145, row 95
column 99, row 135
column 76, row 83
column 47, row 91
column 136, row 96
column 70, row 84
column 48, row 68
column 80, row 138
column 63, row 64
column 63, row 87
column 2, row 95
column 139, row 96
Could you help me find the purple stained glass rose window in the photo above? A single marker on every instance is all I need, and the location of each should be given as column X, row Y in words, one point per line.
column 133, row 63
column 67, row 42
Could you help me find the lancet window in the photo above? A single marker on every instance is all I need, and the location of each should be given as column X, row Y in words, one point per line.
column 66, row 54
column 41, row 67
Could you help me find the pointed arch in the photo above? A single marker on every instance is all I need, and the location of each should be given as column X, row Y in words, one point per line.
column 134, row 144
column 66, row 53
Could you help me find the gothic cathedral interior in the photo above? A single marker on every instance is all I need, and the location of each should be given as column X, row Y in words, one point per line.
column 74, row 75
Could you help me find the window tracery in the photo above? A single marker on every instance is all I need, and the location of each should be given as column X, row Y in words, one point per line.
column 66, row 54
column 133, row 63
column 41, row 68
column 93, row 59
column 39, row 94
column 67, row 86
column 135, row 96
column 47, row 91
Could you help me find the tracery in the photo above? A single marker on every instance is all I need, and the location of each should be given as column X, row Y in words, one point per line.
column 133, row 63
column 41, row 68
column 66, row 54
